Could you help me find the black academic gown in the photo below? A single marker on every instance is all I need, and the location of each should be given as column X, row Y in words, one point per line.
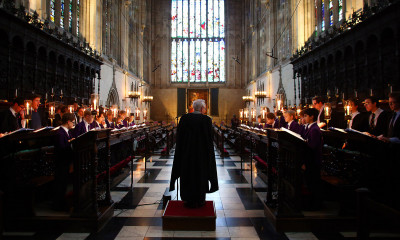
column 381, row 124
column 360, row 122
column 8, row 122
column 194, row 160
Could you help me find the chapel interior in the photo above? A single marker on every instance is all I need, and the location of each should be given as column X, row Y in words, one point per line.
column 148, row 60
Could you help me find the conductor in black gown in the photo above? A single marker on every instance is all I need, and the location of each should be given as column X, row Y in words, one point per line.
column 194, row 160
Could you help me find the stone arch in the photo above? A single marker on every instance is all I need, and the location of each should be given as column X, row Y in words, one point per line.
column 113, row 97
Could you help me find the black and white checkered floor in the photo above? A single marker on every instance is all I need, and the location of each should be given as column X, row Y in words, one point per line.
column 240, row 213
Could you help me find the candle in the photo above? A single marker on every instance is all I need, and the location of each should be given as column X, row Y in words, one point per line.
column 52, row 90
column 94, row 104
column 279, row 105
column 16, row 92
column 27, row 109
column 347, row 110
column 355, row 93
column 61, row 92
column 370, row 92
column 391, row 88
column 51, row 110
column 46, row 96
column 327, row 112
column 70, row 110
column 298, row 111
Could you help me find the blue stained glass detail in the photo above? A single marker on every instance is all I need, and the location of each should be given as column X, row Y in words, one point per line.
column 62, row 14
column 330, row 12
column 70, row 17
column 323, row 15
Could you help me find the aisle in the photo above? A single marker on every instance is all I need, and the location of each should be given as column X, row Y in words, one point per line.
column 240, row 211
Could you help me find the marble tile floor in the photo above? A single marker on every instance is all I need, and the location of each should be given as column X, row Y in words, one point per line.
column 137, row 214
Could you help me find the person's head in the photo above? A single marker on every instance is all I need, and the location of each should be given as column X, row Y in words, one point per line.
column 259, row 119
column 302, row 119
column 199, row 105
column 270, row 118
column 354, row 103
column 131, row 117
column 76, row 106
column 67, row 120
column 35, row 101
column 279, row 113
column 234, row 115
column 289, row 115
column 119, row 120
column 318, row 102
column 58, row 109
column 310, row 115
column 63, row 109
column 109, row 115
column 100, row 118
column 18, row 104
column 122, row 114
column 394, row 101
column 80, row 111
column 87, row 116
column 371, row 103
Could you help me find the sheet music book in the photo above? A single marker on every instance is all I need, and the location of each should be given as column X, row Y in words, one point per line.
column 21, row 130
column 355, row 131
column 337, row 129
column 43, row 128
column 56, row 128
column 292, row 133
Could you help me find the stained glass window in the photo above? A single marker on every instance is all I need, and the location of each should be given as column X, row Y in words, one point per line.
column 330, row 13
column 70, row 16
column 340, row 10
column 316, row 18
column 198, row 41
column 52, row 9
column 77, row 17
column 323, row 15
column 62, row 14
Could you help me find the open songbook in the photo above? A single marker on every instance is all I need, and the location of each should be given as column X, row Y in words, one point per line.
column 21, row 130
column 337, row 129
column 43, row 129
column 358, row 132
column 292, row 133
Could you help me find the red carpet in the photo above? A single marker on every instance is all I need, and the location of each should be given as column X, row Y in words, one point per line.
column 176, row 208
column 177, row 217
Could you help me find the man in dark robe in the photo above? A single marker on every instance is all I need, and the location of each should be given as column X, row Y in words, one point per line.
column 194, row 161
column 38, row 116
column 359, row 120
column 393, row 132
column 378, row 118
column 12, row 118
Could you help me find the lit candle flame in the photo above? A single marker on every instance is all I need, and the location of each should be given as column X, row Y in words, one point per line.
column 27, row 109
